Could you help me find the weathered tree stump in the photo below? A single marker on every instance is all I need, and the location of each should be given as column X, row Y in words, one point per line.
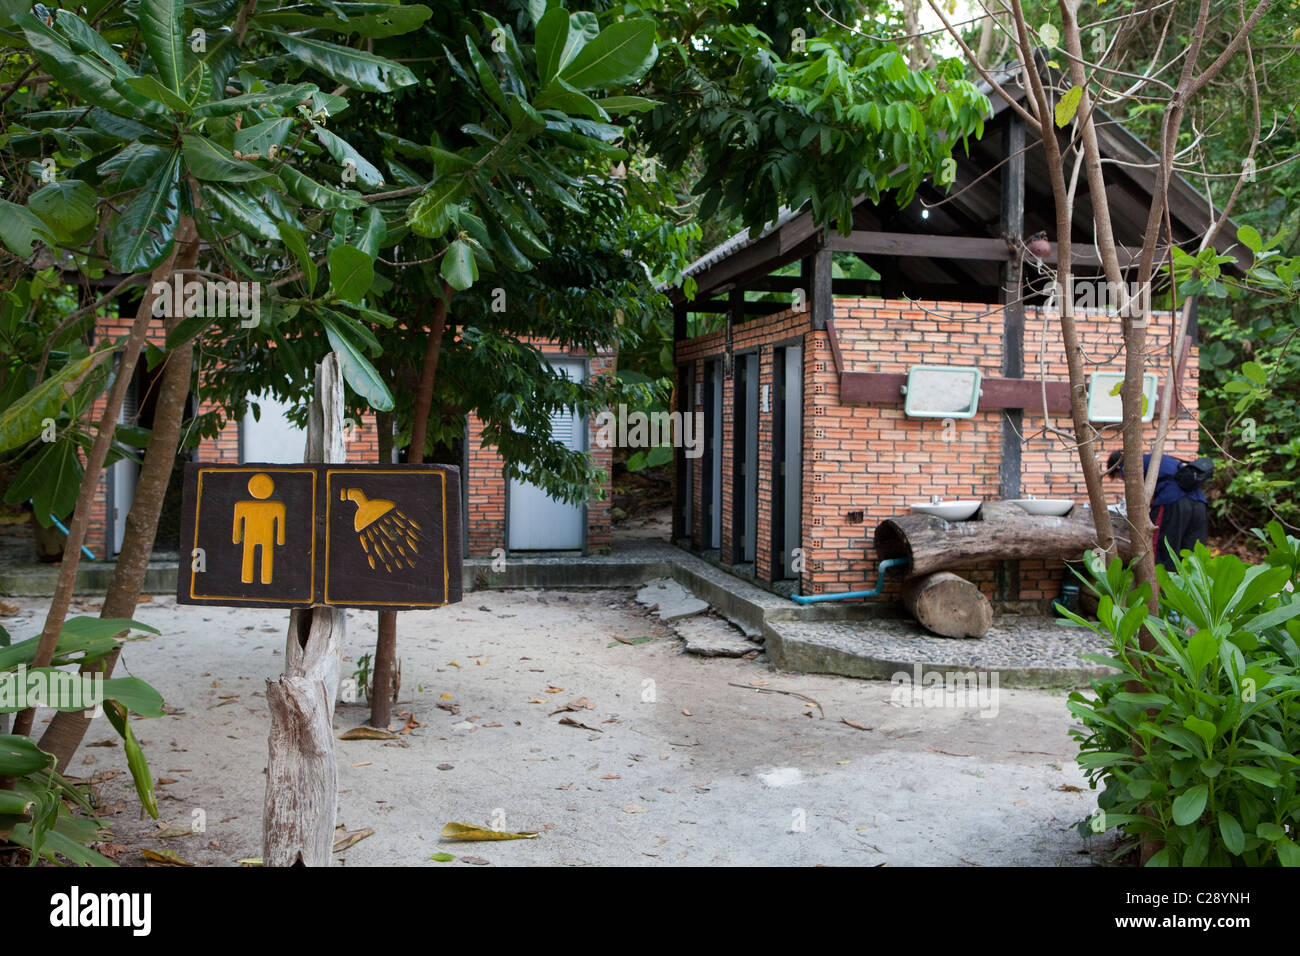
column 948, row 605
column 302, row 772
column 1000, row 531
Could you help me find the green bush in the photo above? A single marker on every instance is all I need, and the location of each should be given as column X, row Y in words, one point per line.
column 1203, row 758
column 37, row 813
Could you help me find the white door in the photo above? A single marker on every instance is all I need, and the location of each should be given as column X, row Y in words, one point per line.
column 538, row 522
column 125, row 472
column 271, row 437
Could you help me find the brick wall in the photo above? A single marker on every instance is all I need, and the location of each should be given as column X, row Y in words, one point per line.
column 485, row 479
column 875, row 460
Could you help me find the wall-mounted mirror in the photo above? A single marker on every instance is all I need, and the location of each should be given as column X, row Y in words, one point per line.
column 1103, row 397
column 942, row 391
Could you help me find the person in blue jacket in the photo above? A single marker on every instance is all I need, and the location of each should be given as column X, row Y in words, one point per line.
column 1178, row 512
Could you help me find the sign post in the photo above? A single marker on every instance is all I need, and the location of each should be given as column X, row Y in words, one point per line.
column 316, row 538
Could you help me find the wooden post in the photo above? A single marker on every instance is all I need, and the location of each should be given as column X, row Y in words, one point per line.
column 302, row 771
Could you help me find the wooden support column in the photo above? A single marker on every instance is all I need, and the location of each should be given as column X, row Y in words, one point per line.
column 302, row 770
column 1013, row 334
column 818, row 274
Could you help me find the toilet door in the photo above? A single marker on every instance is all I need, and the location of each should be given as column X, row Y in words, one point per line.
column 537, row 522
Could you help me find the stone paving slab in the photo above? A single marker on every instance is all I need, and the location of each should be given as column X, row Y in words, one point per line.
column 670, row 601
column 710, row 636
column 1023, row 651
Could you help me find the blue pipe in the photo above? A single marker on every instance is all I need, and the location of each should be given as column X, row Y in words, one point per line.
column 884, row 566
column 59, row 524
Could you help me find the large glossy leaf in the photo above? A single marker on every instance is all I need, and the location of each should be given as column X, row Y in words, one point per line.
column 213, row 66
column 458, row 265
column 206, row 160
column 278, row 97
column 620, row 54
column 239, row 211
column 257, row 140
column 19, row 228
column 88, row 75
column 342, row 153
column 305, row 189
column 67, row 206
column 141, row 235
column 134, row 166
column 375, row 20
column 351, row 273
column 151, row 88
column 23, row 420
column 360, row 375
column 430, row 214
column 135, row 695
column 363, row 71
column 162, row 23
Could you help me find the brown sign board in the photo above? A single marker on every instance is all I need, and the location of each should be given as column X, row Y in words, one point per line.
column 386, row 537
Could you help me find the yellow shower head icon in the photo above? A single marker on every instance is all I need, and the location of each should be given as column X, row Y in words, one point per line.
column 385, row 532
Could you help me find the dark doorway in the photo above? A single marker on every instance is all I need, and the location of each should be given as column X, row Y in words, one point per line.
column 787, row 450
column 745, row 463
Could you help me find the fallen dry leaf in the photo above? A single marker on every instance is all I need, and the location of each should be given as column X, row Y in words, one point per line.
column 366, row 733
column 633, row 808
column 1069, row 788
column 468, row 831
column 581, row 703
column 610, row 776
column 553, row 690
column 686, row 713
column 345, row 839
column 537, row 700
column 164, row 858
column 175, row 830
column 163, row 781
column 854, row 724
column 570, row 722
column 449, row 708
column 476, row 860
column 8, row 610
column 446, row 766
column 446, row 696
column 491, row 725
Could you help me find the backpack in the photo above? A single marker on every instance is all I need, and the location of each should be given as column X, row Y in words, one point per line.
column 1191, row 475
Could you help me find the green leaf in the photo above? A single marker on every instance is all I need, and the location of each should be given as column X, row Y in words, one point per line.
column 1068, row 105
column 357, row 370
column 141, row 235
column 149, row 87
column 355, row 68
column 307, row 190
column 1269, row 778
column 162, row 22
column 1249, row 237
column 441, row 857
column 351, row 273
column 343, row 154
column 19, row 755
column 1190, row 804
column 135, row 759
column 237, row 209
column 551, row 43
column 19, row 228
column 430, row 213
column 1288, row 854
column 90, row 73
column 1252, row 370
column 1230, row 829
column 277, row 97
column 24, row 419
column 135, row 695
column 626, row 104
column 458, row 265
column 294, row 241
column 135, row 165
column 1203, row 729
column 259, row 138
column 66, row 207
column 621, row 53
column 208, row 161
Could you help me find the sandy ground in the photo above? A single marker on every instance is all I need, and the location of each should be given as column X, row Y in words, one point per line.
column 678, row 767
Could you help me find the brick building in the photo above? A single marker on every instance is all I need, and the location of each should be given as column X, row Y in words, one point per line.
column 490, row 499
column 799, row 375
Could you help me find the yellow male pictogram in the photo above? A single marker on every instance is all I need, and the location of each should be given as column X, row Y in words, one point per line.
column 259, row 524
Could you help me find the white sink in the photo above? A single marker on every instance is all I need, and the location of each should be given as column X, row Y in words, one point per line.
column 948, row 510
column 1045, row 506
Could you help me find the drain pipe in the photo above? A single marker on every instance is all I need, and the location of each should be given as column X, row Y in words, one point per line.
column 881, row 568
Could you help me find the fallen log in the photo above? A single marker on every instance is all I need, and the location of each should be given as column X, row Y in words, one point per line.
column 948, row 605
column 1000, row 531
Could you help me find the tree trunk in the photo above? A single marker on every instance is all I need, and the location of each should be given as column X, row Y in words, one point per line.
column 948, row 605
column 302, row 769
column 381, row 701
column 68, row 728
column 1001, row 532
column 94, row 468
